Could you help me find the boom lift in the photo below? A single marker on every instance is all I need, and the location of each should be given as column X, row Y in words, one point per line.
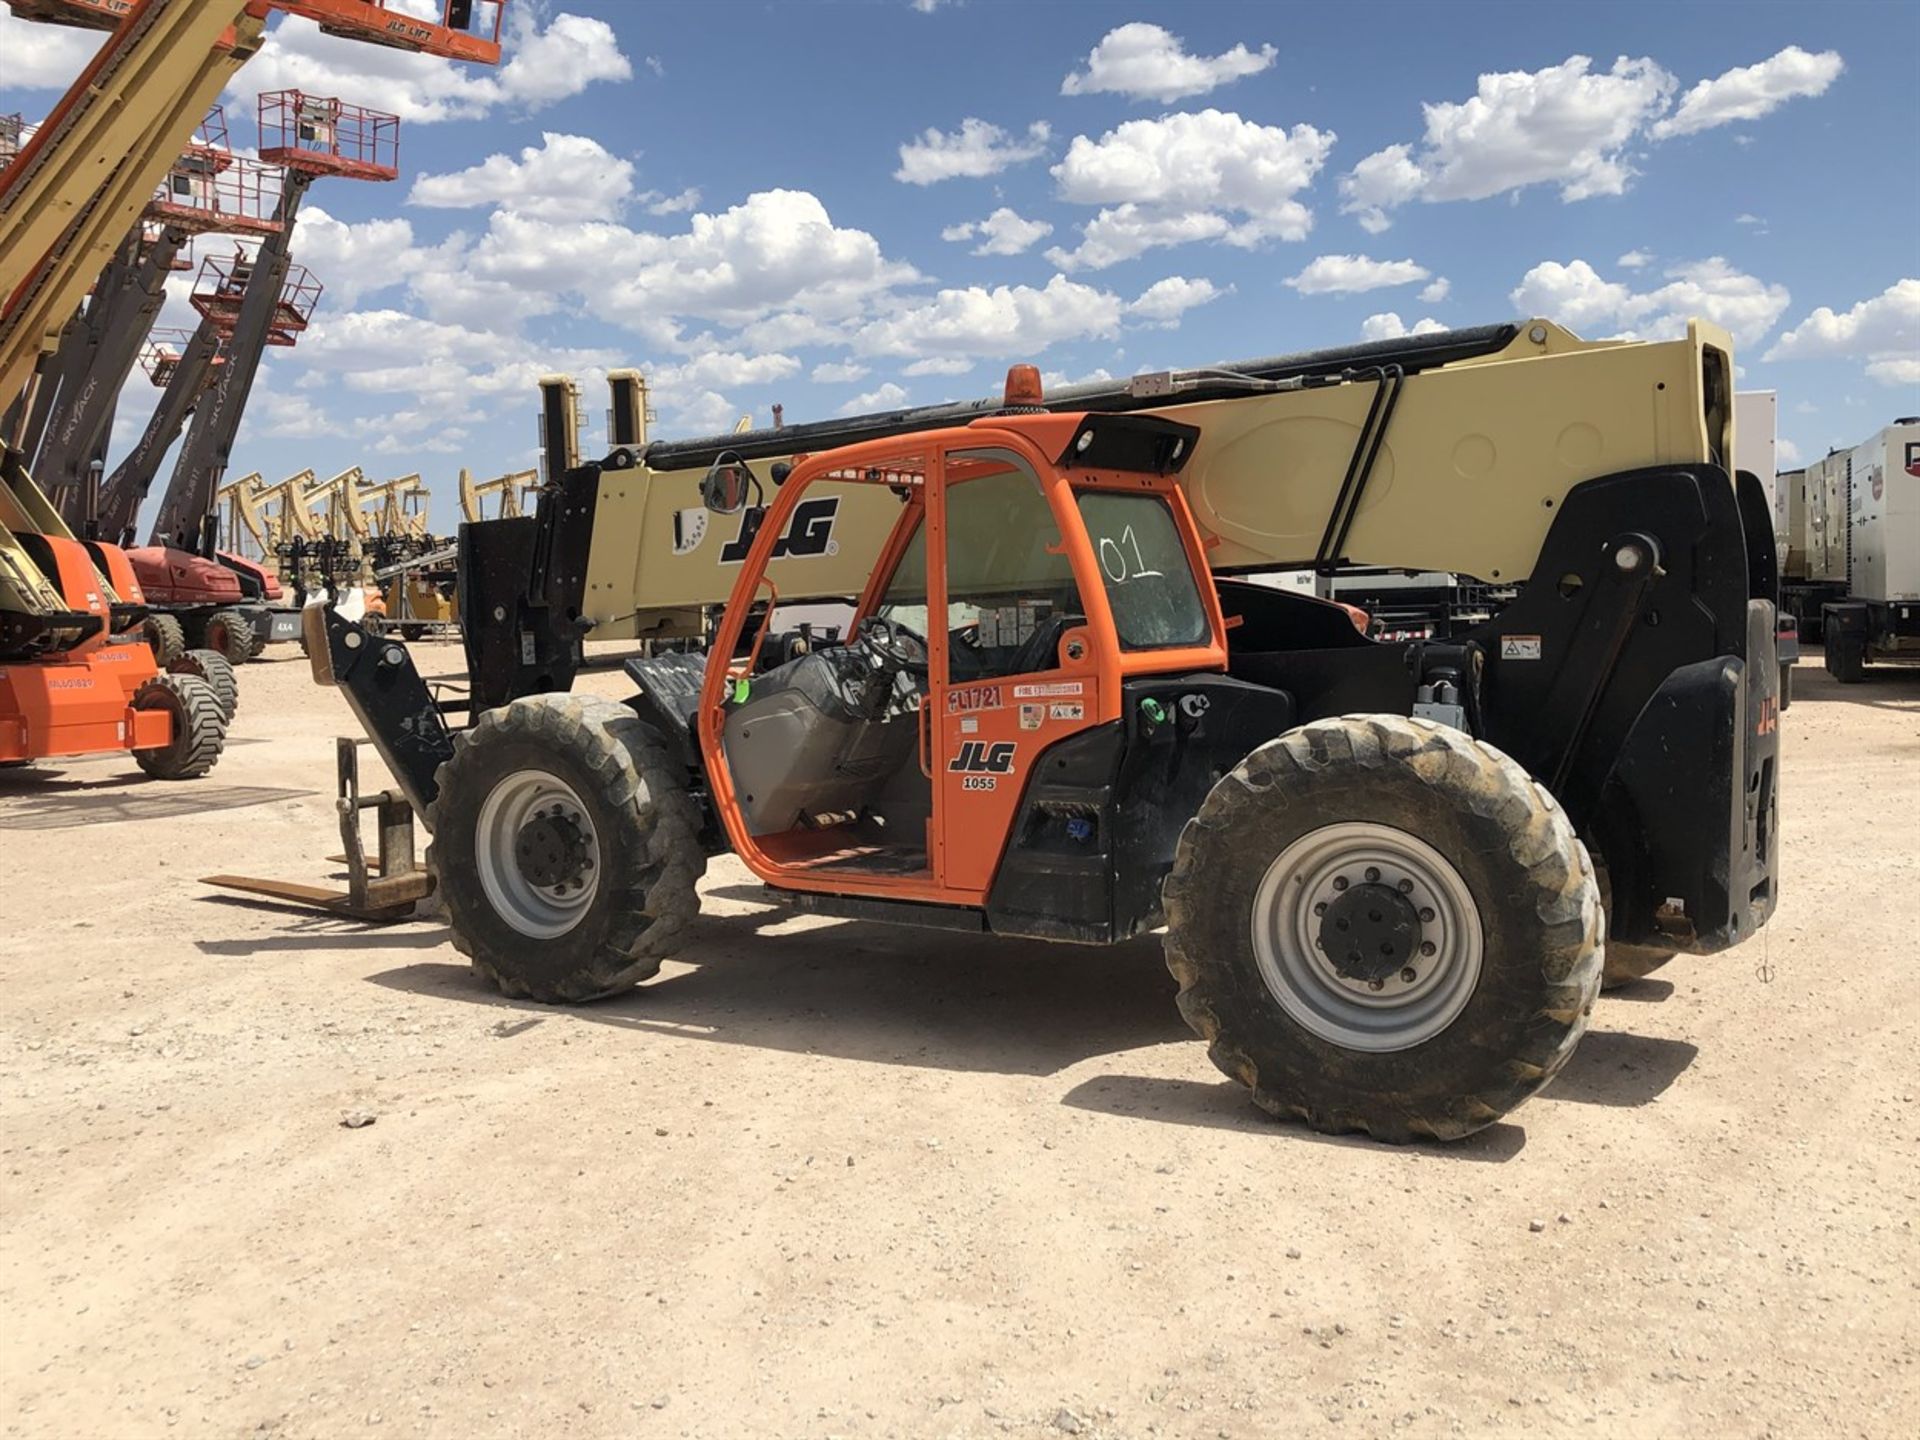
column 209, row 189
column 262, row 300
column 1061, row 715
column 70, row 680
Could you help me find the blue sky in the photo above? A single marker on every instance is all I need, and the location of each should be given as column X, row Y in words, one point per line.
column 841, row 205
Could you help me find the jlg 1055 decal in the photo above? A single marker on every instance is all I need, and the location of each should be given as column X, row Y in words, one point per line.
column 981, row 763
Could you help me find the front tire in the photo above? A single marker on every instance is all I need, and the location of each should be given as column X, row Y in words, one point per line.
column 166, row 637
column 214, row 668
column 1471, row 956
column 231, row 633
column 199, row 727
column 567, row 848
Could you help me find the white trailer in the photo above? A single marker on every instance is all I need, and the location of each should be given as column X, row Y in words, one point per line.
column 1855, row 577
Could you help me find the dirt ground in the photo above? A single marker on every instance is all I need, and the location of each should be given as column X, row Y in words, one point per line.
column 824, row 1178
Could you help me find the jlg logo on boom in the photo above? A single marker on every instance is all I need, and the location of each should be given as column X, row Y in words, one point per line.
column 810, row 532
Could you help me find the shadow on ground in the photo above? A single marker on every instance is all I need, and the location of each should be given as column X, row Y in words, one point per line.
column 1224, row 1105
column 877, row 993
column 1612, row 1067
column 1883, row 687
column 53, row 800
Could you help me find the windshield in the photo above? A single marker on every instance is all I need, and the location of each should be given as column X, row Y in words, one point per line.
column 1143, row 564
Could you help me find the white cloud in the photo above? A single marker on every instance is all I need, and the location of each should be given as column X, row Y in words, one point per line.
column 835, row 372
column 1383, row 180
column 1165, row 301
column 543, row 65
column 565, row 177
column 716, row 368
column 1563, row 125
column 686, row 200
column 1389, row 326
column 1191, row 176
column 888, row 396
column 1634, row 260
column 1352, row 274
column 1884, row 331
column 1743, row 218
column 41, row 56
column 1785, row 452
column 354, row 260
column 1436, row 292
column 938, row 366
column 656, row 66
column 1013, row 322
column 927, row 7
column 1751, row 91
column 1002, row 233
column 1146, row 62
column 1576, row 295
column 1051, row 380
column 977, row 149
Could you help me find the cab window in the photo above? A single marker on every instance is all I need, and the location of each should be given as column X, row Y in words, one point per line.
column 1010, row 587
column 1143, row 564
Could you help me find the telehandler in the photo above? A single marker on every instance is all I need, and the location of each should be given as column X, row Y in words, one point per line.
column 1058, row 713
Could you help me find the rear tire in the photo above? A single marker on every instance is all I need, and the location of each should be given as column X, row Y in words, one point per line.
column 1786, row 686
column 199, row 728
column 165, row 636
column 1492, row 877
column 257, row 643
column 212, row 667
column 567, row 848
column 1849, row 662
column 231, row 633
column 413, row 634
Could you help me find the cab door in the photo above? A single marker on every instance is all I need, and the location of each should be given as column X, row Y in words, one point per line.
column 1014, row 668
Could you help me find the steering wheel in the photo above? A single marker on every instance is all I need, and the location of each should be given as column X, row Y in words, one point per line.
column 895, row 644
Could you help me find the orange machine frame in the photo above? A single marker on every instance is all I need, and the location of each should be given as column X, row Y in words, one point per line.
column 970, row 822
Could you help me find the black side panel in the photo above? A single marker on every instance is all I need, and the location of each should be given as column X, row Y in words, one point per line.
column 522, row 587
column 670, row 697
column 1756, row 519
column 1103, row 810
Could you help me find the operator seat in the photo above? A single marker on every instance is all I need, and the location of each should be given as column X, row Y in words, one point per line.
column 821, row 735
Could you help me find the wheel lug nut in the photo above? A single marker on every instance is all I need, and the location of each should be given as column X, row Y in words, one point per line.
column 1406, row 887
column 1339, row 882
column 1426, row 914
column 1321, row 908
column 1409, row 975
column 1373, row 874
column 1428, row 948
column 1376, row 984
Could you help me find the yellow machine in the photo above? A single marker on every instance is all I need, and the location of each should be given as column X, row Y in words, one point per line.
column 1500, row 425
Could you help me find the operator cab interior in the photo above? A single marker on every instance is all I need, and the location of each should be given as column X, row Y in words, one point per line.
column 827, row 751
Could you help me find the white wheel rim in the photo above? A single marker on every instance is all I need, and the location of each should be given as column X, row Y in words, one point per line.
column 540, row 912
column 1378, row 1016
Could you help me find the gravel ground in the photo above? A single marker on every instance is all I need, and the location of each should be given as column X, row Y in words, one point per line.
column 825, row 1178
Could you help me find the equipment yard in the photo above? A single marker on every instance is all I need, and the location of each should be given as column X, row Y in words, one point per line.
column 271, row 1173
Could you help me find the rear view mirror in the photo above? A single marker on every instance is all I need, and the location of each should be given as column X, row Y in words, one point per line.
column 725, row 486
